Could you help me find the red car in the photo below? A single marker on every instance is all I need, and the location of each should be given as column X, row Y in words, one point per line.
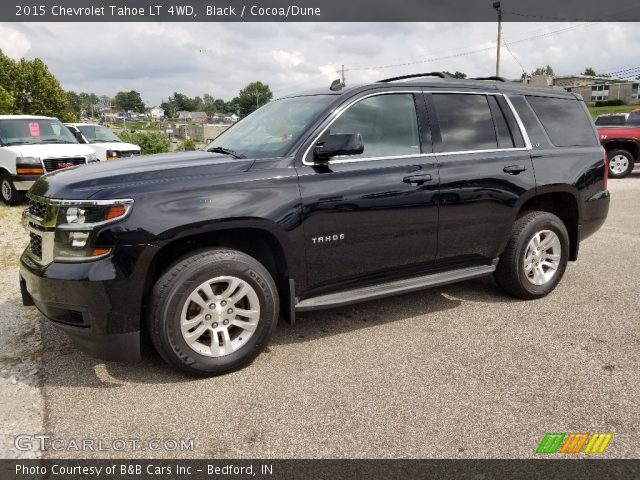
column 622, row 144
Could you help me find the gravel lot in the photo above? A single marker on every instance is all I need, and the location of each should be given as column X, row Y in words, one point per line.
column 457, row 371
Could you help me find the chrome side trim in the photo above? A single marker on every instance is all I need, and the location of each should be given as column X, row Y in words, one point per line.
column 393, row 288
column 340, row 111
column 523, row 131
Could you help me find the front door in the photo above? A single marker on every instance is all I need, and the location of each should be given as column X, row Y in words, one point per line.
column 366, row 214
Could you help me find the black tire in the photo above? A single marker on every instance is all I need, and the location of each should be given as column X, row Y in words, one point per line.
column 630, row 161
column 172, row 290
column 510, row 272
column 8, row 192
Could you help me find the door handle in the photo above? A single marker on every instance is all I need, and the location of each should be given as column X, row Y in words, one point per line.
column 514, row 169
column 417, row 179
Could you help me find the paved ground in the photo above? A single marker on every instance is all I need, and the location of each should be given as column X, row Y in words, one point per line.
column 457, row 371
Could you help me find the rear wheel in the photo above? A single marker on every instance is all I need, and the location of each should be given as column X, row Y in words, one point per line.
column 8, row 191
column 536, row 256
column 621, row 163
column 213, row 312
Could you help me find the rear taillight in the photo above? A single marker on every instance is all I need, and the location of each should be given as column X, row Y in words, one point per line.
column 606, row 167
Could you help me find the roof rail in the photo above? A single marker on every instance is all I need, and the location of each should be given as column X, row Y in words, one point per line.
column 415, row 75
column 492, row 77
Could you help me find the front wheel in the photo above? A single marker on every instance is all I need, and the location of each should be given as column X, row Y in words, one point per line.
column 621, row 163
column 213, row 312
column 536, row 256
column 8, row 191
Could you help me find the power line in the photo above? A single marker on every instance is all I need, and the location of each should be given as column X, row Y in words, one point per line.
column 466, row 53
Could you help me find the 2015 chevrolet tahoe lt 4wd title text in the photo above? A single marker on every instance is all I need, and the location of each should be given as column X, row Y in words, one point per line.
column 316, row 200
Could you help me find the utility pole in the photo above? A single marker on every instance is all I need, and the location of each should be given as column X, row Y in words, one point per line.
column 496, row 6
column 343, row 80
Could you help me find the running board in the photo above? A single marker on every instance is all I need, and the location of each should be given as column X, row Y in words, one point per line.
column 393, row 288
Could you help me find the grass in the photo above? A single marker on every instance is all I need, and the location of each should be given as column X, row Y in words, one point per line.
column 595, row 111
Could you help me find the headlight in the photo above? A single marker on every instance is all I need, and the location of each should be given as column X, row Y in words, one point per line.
column 113, row 154
column 92, row 157
column 77, row 222
column 29, row 166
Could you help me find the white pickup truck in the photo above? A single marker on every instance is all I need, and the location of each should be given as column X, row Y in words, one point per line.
column 31, row 146
column 106, row 144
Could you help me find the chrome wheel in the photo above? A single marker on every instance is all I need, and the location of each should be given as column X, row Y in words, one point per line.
column 220, row 316
column 618, row 164
column 542, row 257
column 6, row 190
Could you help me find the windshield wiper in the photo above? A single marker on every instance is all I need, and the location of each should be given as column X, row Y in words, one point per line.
column 226, row 151
column 55, row 140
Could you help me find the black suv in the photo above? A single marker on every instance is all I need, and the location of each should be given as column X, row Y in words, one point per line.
column 316, row 200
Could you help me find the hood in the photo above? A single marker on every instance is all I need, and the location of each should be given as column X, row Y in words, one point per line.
column 51, row 150
column 128, row 178
column 119, row 146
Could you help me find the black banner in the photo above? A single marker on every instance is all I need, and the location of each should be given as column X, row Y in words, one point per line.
column 581, row 469
column 318, row 11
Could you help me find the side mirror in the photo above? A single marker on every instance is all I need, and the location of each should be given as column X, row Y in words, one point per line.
column 338, row 144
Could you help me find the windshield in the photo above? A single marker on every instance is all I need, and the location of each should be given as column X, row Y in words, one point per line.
column 272, row 129
column 98, row 134
column 31, row 131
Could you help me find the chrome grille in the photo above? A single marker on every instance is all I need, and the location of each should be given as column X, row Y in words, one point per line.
column 37, row 209
column 130, row 153
column 53, row 164
column 35, row 245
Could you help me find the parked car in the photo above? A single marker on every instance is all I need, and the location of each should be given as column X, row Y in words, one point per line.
column 31, row 146
column 622, row 145
column 316, row 200
column 609, row 119
column 106, row 144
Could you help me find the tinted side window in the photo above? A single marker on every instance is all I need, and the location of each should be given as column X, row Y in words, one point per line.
column 564, row 120
column 465, row 122
column 388, row 125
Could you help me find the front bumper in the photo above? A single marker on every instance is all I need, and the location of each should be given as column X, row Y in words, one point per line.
column 24, row 182
column 95, row 303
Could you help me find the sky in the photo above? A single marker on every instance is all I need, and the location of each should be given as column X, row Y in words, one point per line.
column 157, row 59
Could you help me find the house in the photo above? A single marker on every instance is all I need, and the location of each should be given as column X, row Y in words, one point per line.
column 156, row 113
column 592, row 88
column 200, row 117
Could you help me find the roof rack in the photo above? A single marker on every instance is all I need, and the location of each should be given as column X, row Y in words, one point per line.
column 415, row 75
column 493, row 77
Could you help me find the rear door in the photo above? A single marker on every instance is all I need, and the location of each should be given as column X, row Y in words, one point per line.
column 485, row 167
column 375, row 212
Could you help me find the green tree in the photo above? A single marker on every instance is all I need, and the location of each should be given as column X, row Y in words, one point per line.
column 150, row 142
column 130, row 101
column 74, row 102
column 548, row 70
column 589, row 71
column 6, row 102
column 252, row 97
column 458, row 74
column 38, row 92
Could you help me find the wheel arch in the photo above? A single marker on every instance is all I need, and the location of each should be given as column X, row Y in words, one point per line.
column 630, row 144
column 563, row 203
column 260, row 239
